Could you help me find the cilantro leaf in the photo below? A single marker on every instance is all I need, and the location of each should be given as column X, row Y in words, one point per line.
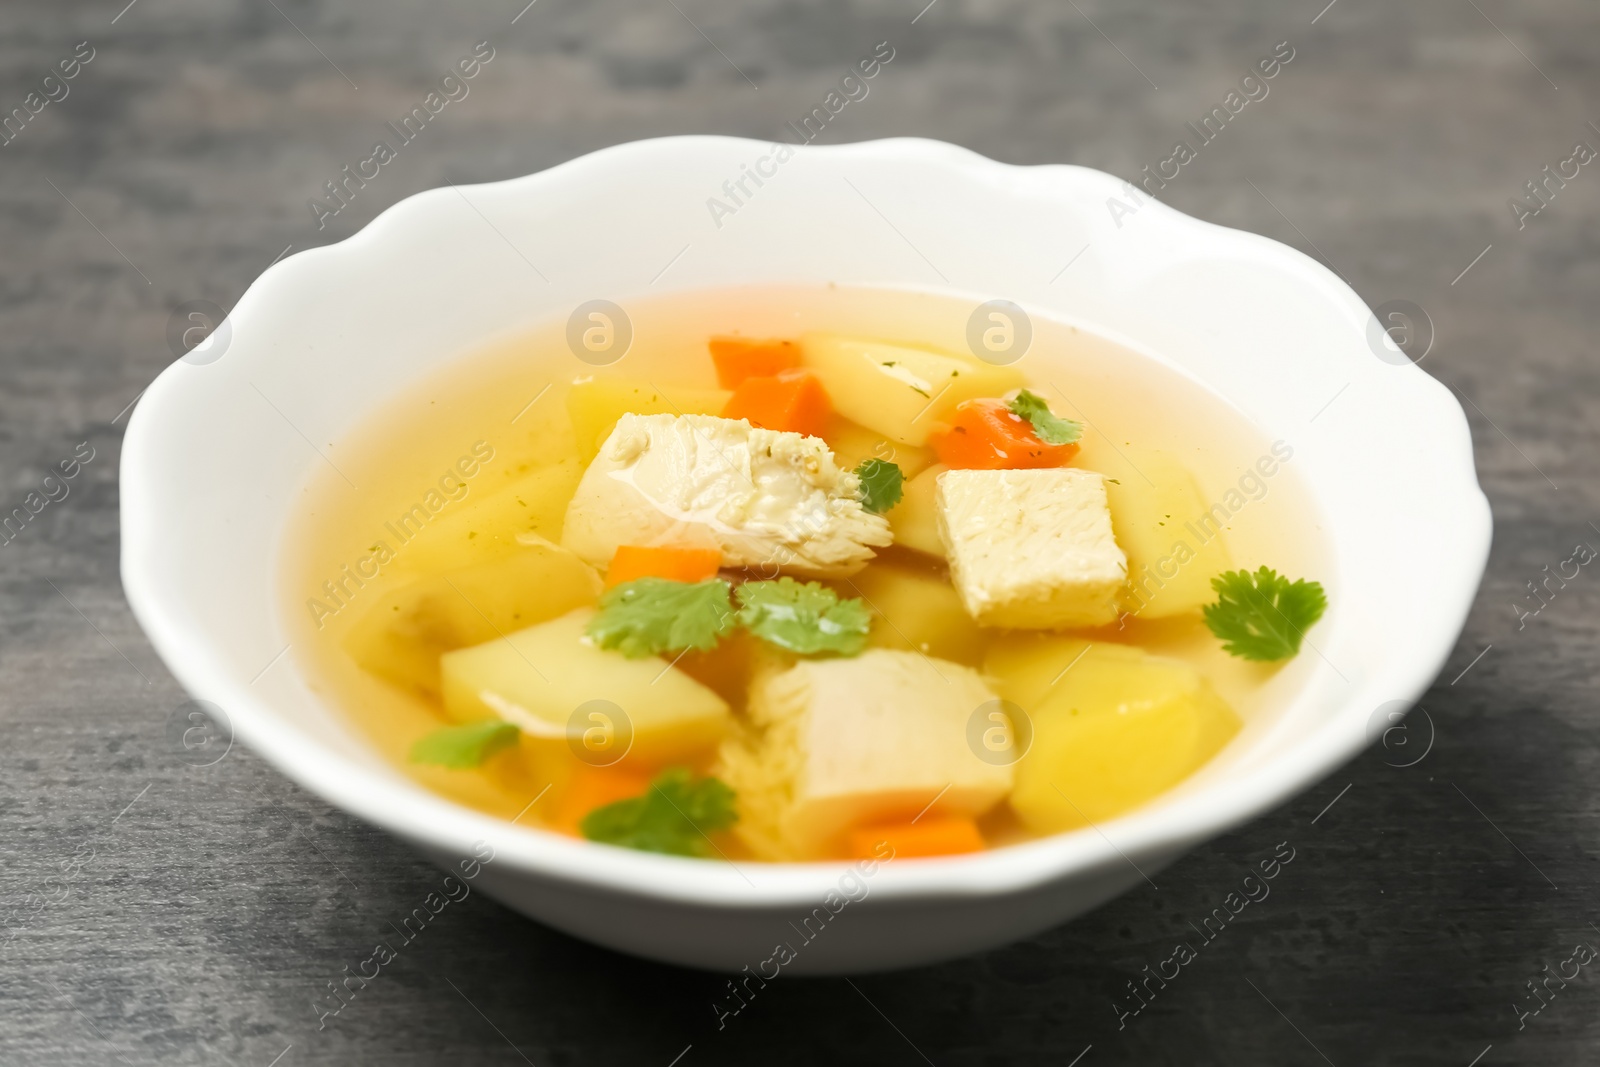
column 1049, row 428
column 881, row 484
column 803, row 617
column 465, row 746
column 1263, row 616
column 673, row 816
column 649, row 616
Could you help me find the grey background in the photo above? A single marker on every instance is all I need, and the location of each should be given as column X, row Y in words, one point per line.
column 156, row 912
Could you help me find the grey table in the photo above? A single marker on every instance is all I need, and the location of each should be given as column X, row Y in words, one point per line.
column 160, row 912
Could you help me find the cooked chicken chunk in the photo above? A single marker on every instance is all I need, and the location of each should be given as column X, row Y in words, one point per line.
column 761, row 497
column 838, row 743
column 1031, row 549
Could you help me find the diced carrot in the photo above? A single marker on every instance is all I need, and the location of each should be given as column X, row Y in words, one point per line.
column 595, row 787
column 789, row 400
column 675, row 564
column 948, row 835
column 986, row 435
column 738, row 358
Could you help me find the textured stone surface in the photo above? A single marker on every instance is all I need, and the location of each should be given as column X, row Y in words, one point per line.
column 156, row 912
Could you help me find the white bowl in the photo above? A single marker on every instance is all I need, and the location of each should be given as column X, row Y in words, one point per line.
column 210, row 471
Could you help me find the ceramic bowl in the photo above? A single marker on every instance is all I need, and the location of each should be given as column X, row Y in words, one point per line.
column 211, row 469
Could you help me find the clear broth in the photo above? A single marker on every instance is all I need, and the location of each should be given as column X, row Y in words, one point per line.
column 511, row 395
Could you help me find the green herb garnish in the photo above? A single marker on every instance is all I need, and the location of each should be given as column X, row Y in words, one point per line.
column 649, row 616
column 881, row 484
column 1263, row 616
column 804, row 617
column 1049, row 428
column 673, row 816
column 465, row 746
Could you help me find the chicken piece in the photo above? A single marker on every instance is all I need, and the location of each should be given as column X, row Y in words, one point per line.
column 1031, row 549
column 837, row 743
column 760, row 497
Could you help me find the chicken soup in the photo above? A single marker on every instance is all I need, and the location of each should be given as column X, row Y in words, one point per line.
column 801, row 574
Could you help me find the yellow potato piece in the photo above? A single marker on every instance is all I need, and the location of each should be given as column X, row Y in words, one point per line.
column 1174, row 545
column 565, row 693
column 915, row 520
column 1112, row 726
column 853, row 443
column 903, row 393
column 596, row 405
column 403, row 633
column 488, row 526
column 917, row 610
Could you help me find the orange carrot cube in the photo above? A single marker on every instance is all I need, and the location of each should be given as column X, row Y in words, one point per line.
column 591, row 788
column 948, row 835
column 987, row 435
column 789, row 400
column 738, row 358
column 674, row 564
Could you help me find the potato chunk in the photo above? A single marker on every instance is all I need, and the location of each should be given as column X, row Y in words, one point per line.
column 538, row 678
column 915, row 520
column 916, row 610
column 760, row 497
column 403, row 633
column 595, row 405
column 488, row 526
column 903, row 393
column 1112, row 726
column 853, row 444
column 844, row 742
column 1031, row 549
column 1174, row 545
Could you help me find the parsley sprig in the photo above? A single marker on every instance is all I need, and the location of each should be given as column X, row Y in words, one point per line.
column 657, row 616
column 460, row 747
column 1047, row 427
column 804, row 617
column 673, row 816
column 649, row 616
column 1263, row 616
column 882, row 484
